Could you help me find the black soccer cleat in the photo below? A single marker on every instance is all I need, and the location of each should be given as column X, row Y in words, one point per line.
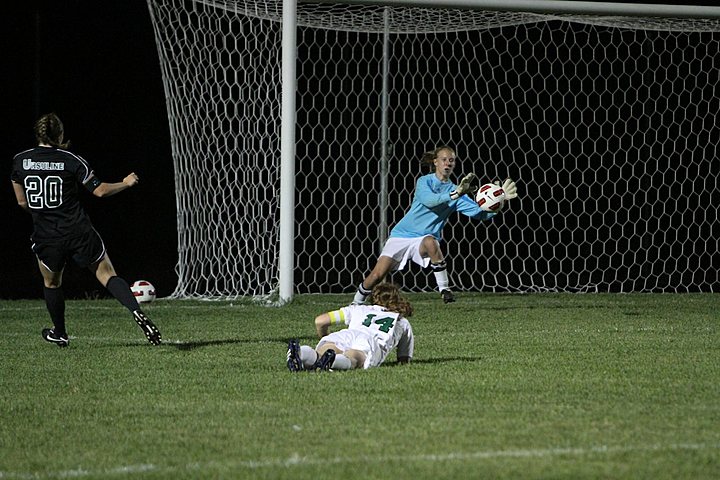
column 447, row 296
column 294, row 363
column 49, row 335
column 148, row 327
column 326, row 361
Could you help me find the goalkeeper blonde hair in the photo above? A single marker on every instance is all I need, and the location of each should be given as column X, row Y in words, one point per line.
column 428, row 158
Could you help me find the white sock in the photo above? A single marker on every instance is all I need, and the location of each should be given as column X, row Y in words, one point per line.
column 361, row 294
column 442, row 280
column 308, row 356
column 441, row 277
column 341, row 362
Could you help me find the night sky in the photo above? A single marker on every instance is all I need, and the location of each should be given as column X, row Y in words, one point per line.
column 96, row 65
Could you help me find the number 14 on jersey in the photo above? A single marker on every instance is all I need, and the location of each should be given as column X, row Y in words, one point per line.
column 385, row 323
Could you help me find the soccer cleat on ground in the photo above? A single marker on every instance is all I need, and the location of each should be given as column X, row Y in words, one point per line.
column 50, row 336
column 294, row 363
column 447, row 296
column 324, row 363
column 148, row 327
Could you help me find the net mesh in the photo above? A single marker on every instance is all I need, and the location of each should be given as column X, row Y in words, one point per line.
column 609, row 125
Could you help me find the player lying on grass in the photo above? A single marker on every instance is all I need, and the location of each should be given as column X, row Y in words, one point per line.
column 372, row 332
column 47, row 180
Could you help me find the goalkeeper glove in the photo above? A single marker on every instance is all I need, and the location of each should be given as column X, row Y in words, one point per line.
column 464, row 187
column 509, row 188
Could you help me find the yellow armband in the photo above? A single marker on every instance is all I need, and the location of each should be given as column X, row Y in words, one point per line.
column 337, row 317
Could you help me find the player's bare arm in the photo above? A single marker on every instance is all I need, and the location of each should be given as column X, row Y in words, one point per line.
column 109, row 189
column 20, row 196
column 322, row 324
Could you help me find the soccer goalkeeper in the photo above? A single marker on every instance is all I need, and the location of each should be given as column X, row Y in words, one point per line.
column 417, row 235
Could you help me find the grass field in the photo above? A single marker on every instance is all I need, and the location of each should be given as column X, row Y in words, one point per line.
column 557, row 386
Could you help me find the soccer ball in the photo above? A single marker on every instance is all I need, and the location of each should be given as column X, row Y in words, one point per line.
column 490, row 197
column 143, row 291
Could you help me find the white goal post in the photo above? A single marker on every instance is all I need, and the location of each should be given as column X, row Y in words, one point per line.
column 609, row 123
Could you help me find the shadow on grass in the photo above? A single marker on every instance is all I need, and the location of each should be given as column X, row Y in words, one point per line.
column 192, row 345
column 431, row 361
column 306, row 340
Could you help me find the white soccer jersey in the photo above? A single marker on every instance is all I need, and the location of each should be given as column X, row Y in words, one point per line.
column 376, row 331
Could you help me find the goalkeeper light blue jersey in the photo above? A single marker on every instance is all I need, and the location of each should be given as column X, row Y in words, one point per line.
column 431, row 208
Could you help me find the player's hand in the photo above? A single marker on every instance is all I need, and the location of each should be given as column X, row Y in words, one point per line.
column 464, row 187
column 509, row 187
column 131, row 180
column 465, row 184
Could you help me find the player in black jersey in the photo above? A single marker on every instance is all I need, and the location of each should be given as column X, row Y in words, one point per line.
column 46, row 180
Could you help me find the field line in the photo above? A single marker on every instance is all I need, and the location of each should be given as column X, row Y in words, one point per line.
column 295, row 461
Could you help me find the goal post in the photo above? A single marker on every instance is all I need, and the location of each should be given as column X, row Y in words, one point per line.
column 286, row 262
column 608, row 123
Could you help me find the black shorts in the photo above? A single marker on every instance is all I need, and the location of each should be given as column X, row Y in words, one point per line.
column 83, row 249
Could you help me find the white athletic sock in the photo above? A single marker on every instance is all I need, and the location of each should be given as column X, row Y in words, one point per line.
column 308, row 356
column 341, row 362
column 361, row 294
column 442, row 280
column 441, row 276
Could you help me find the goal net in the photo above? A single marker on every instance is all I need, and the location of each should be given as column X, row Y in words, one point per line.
column 609, row 125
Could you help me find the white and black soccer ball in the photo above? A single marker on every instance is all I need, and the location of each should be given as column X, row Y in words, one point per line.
column 143, row 291
column 490, row 197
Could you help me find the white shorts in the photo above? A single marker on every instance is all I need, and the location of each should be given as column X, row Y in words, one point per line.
column 356, row 340
column 403, row 249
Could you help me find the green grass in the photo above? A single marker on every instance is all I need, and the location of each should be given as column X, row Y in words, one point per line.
column 502, row 386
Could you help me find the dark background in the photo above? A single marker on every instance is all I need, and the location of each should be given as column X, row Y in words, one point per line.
column 96, row 65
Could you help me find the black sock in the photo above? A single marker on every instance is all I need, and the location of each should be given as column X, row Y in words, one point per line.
column 55, row 302
column 120, row 289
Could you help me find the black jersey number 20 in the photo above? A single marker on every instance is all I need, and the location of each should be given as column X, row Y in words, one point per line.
column 43, row 193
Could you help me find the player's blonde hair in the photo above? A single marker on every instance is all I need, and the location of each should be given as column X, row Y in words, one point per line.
column 49, row 130
column 388, row 295
column 428, row 158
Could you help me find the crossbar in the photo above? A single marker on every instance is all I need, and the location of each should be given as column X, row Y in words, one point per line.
column 552, row 7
